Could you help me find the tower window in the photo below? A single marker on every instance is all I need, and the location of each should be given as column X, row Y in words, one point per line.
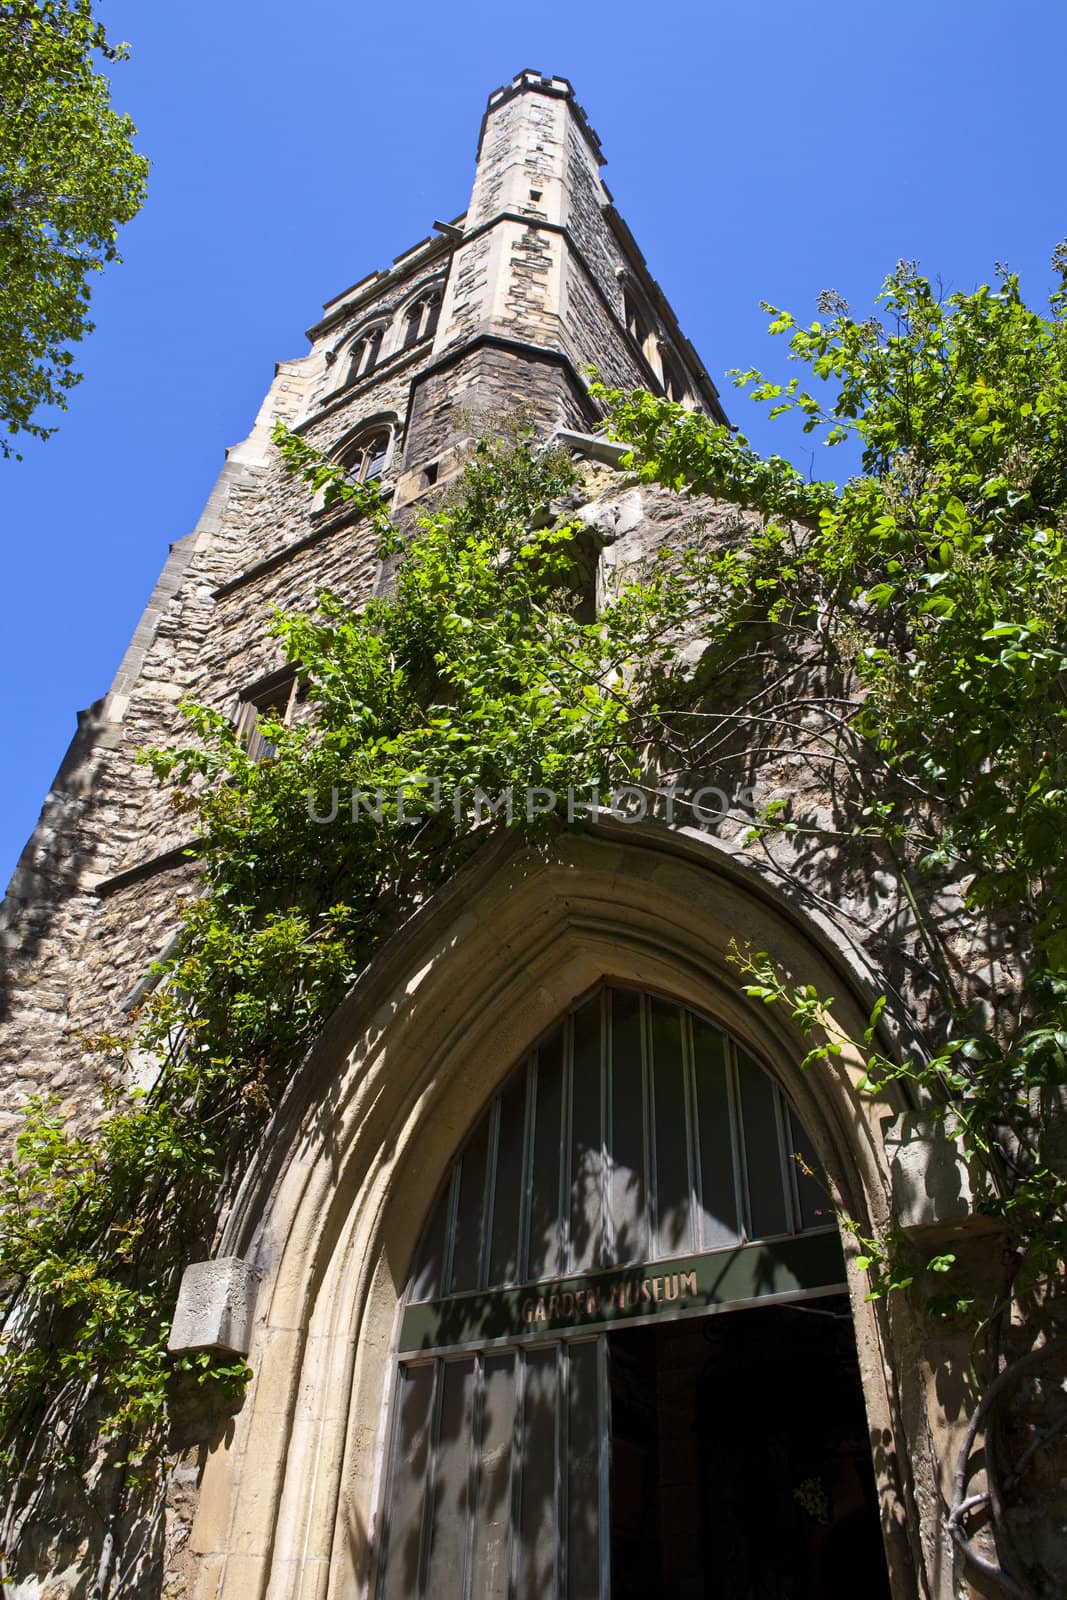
column 364, row 355
column 412, row 320
column 433, row 315
column 675, row 386
column 421, row 319
column 366, row 461
column 271, row 700
column 374, row 458
column 636, row 322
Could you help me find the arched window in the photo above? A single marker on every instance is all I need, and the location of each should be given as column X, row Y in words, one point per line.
column 636, row 322
column 412, row 323
column 374, row 454
column 571, row 1416
column 364, row 353
column 675, row 386
column 433, row 314
column 421, row 318
column 365, row 458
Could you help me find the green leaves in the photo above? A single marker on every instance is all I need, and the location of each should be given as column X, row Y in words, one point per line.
column 329, row 480
column 69, row 178
column 936, row 583
column 477, row 674
column 941, row 568
column 684, row 450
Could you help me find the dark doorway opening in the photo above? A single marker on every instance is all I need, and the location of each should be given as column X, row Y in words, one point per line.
column 740, row 1461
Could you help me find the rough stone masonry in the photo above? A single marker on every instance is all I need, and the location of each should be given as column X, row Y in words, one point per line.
column 504, row 306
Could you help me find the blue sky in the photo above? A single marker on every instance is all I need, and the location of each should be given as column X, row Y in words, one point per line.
column 765, row 150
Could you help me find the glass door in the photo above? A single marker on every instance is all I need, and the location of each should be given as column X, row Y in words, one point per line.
column 500, row 1464
column 740, row 1460
column 555, row 1433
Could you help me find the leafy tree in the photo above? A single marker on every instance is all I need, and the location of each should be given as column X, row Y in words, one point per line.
column 69, row 177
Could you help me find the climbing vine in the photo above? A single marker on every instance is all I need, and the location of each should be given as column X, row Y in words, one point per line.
column 477, row 672
column 915, row 624
column 904, row 635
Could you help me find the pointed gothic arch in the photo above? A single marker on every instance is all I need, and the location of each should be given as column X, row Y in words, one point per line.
column 634, row 1172
column 365, row 450
column 362, row 352
column 332, row 1214
column 418, row 316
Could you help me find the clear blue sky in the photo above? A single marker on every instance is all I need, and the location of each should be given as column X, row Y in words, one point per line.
column 760, row 150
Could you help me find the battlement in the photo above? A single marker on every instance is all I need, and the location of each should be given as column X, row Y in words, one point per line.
column 530, row 81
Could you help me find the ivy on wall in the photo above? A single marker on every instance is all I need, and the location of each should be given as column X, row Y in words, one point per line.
column 905, row 635
column 477, row 672
column 933, row 586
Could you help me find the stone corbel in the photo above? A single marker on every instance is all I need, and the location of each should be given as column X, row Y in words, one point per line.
column 216, row 1305
column 934, row 1184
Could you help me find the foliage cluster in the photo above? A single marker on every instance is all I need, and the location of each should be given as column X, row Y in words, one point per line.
column 909, row 632
column 936, row 583
column 476, row 672
column 931, row 590
column 69, row 177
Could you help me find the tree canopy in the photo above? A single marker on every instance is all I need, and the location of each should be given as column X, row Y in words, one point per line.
column 69, row 178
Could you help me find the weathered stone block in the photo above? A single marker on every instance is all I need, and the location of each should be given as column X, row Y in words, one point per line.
column 935, row 1186
column 216, row 1302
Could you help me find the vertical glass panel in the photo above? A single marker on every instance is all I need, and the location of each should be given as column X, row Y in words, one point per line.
column 427, row 1278
column 629, row 1195
column 492, row 1528
column 545, row 1254
column 374, row 345
column 585, row 1206
column 403, row 1517
column 583, row 1460
column 504, row 1244
column 673, row 1228
column 718, row 1196
column 374, row 458
column 467, row 1250
column 452, row 1471
column 815, row 1206
column 766, row 1194
column 358, row 352
column 537, row 1505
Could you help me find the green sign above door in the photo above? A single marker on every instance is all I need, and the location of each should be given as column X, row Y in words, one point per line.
column 808, row 1263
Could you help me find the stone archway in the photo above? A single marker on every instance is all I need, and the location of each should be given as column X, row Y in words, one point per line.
column 623, row 1354
column 332, row 1212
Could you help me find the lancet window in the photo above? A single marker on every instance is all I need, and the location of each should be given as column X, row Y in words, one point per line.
column 364, row 353
column 421, row 318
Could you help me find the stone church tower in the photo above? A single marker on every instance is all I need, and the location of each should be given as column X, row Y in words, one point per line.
column 502, row 307
column 546, row 1134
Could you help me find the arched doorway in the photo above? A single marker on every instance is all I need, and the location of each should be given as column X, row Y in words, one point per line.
column 292, row 1500
column 570, row 1418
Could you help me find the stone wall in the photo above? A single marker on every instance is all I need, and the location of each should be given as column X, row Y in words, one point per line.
column 71, row 948
column 541, row 276
column 586, row 199
column 529, row 295
column 73, row 942
column 594, row 337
